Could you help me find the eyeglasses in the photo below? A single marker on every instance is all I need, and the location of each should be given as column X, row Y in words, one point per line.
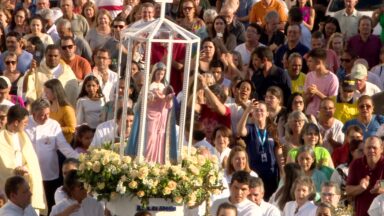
column 10, row 62
column 67, row 47
column 365, row 106
column 118, row 26
column 345, row 60
column 327, row 194
column 187, row 8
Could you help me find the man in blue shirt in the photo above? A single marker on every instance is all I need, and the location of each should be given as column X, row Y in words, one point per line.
column 13, row 44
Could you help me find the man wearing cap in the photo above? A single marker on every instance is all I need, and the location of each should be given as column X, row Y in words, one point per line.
column 346, row 106
column 360, row 74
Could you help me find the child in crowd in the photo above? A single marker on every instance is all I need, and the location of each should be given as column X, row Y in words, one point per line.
column 325, row 209
column 226, row 209
column 307, row 161
column 217, row 69
column 83, row 138
column 90, row 103
column 304, row 192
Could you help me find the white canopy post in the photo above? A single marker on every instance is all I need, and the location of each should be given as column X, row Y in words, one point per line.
column 127, row 82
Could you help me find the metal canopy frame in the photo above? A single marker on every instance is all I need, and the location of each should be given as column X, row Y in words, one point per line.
column 148, row 33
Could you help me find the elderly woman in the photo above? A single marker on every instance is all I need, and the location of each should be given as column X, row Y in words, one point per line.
column 293, row 127
column 366, row 120
column 208, row 17
column 98, row 36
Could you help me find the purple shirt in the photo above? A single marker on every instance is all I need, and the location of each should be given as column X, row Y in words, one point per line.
column 327, row 84
column 369, row 50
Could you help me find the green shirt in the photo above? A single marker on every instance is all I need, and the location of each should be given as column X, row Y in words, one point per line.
column 322, row 155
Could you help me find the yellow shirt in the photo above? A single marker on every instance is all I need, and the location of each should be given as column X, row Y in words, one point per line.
column 298, row 84
column 345, row 111
column 67, row 120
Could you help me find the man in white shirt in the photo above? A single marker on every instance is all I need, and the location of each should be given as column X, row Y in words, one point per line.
column 256, row 195
column 252, row 36
column 106, row 77
column 47, row 137
column 330, row 128
column 19, row 198
column 78, row 203
column 239, row 190
column 348, row 18
column 147, row 15
column 109, row 131
column 360, row 73
column 68, row 165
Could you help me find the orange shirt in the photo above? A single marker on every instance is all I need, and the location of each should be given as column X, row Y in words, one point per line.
column 80, row 66
column 259, row 10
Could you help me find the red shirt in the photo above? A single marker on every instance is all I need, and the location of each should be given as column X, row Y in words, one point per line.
column 358, row 170
column 340, row 155
column 178, row 55
column 211, row 120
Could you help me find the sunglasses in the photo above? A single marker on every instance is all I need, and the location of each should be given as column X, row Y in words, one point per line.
column 10, row 62
column 188, row 8
column 67, row 47
column 366, row 106
column 118, row 26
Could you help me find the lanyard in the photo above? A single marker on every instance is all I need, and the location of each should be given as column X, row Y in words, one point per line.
column 261, row 138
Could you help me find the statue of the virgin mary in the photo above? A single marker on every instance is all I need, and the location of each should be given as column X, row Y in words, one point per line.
column 160, row 144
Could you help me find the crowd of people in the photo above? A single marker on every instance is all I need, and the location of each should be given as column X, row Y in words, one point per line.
column 288, row 99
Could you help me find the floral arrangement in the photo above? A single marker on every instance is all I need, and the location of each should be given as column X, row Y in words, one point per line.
column 108, row 175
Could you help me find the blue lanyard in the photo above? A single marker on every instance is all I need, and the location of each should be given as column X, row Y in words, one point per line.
column 261, row 138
